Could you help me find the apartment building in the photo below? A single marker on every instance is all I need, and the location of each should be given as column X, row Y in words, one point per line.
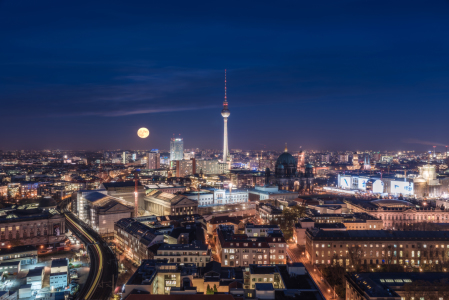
column 252, row 230
column 355, row 221
column 135, row 238
column 195, row 253
column 236, row 250
column 376, row 247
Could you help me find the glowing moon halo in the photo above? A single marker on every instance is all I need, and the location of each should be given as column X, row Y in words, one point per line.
column 143, row 133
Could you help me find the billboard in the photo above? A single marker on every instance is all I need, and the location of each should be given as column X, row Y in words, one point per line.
column 345, row 182
column 56, row 230
column 402, row 187
column 362, row 184
column 378, row 187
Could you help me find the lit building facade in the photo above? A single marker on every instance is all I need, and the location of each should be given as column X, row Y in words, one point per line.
column 154, row 160
column 377, row 247
column 214, row 197
column 176, row 149
column 31, row 225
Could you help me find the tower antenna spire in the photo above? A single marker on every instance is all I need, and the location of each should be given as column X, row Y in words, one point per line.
column 226, row 98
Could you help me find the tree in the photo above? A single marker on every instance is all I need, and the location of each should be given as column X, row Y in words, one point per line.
column 354, row 256
column 288, row 219
column 215, row 289
column 334, row 275
column 209, row 291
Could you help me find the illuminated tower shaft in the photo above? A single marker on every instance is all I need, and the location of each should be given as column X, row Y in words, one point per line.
column 225, row 114
column 225, row 140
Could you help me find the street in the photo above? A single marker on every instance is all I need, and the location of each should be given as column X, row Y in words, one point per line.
column 324, row 287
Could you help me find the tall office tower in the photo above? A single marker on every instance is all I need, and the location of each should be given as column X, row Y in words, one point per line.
column 355, row 161
column 125, row 157
column 225, row 114
column 366, row 163
column 176, row 149
column 154, row 160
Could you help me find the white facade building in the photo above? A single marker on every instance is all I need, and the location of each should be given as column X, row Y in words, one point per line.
column 212, row 197
column 59, row 273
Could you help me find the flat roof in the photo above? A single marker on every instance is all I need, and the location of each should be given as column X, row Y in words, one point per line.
column 264, row 287
column 9, row 263
column 59, row 262
column 180, row 297
column 383, row 284
column 35, row 272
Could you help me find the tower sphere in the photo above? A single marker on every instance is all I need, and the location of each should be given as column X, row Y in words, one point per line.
column 225, row 113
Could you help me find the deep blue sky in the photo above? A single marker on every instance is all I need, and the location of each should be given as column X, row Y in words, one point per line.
column 318, row 74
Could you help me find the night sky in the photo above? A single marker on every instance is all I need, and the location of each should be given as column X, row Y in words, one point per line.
column 318, row 74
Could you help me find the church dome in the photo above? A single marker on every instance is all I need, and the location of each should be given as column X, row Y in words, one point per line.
column 285, row 159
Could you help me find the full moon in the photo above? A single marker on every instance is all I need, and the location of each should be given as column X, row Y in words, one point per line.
column 143, row 132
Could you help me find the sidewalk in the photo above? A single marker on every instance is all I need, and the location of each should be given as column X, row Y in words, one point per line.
column 322, row 284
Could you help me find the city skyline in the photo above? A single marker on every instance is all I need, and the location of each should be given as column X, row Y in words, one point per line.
column 302, row 75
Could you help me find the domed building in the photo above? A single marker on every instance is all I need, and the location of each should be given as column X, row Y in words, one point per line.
column 287, row 175
column 285, row 165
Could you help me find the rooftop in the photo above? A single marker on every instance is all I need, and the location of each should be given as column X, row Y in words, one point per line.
column 188, row 247
column 251, row 225
column 380, row 235
column 61, row 262
column 109, row 185
column 264, row 287
column 181, row 297
column 35, row 272
column 383, row 284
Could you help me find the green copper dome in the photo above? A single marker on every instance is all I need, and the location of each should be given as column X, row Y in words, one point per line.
column 285, row 159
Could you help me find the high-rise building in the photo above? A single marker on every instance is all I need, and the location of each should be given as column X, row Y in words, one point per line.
column 125, row 157
column 355, row 161
column 176, row 149
column 343, row 158
column 225, row 114
column 154, row 160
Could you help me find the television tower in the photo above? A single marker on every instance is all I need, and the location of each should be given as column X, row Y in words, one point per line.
column 225, row 114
